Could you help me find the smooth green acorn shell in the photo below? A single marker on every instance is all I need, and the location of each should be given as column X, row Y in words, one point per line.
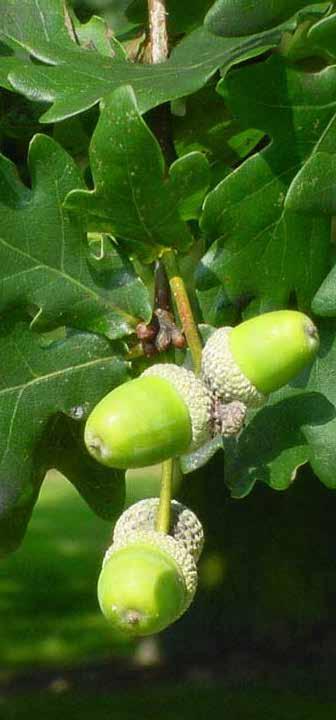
column 141, row 589
column 140, row 423
column 273, row 348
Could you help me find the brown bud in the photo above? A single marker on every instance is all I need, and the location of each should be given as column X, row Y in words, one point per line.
column 146, row 332
column 178, row 339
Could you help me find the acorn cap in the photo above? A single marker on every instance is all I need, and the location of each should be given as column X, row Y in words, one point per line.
column 222, row 374
column 141, row 589
column 195, row 395
column 139, row 423
column 185, row 527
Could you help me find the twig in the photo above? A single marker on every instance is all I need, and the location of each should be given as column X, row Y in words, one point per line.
column 159, row 53
column 181, row 298
column 158, row 30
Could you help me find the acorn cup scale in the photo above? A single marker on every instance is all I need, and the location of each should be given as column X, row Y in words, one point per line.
column 184, row 525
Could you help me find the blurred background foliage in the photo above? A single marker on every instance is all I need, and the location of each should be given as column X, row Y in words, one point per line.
column 259, row 637
column 267, row 577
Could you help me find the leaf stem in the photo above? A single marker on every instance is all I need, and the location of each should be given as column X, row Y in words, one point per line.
column 184, row 310
column 163, row 515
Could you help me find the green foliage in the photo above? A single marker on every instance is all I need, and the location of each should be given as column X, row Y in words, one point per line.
column 204, row 123
column 241, row 17
column 37, row 383
column 239, row 182
column 249, row 215
column 45, row 259
column 132, row 199
column 75, row 78
column 44, row 19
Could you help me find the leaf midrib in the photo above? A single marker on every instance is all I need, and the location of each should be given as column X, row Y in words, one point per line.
column 84, row 288
column 42, row 378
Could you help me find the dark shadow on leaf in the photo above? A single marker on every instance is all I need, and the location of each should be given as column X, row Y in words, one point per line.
column 272, row 431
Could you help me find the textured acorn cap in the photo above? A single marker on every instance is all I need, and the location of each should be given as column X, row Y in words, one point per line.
column 222, row 374
column 185, row 527
column 164, row 544
column 141, row 589
column 195, row 395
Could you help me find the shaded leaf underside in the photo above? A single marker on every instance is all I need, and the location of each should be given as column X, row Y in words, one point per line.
column 39, row 384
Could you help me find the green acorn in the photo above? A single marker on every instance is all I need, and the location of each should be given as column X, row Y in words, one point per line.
column 149, row 579
column 162, row 414
column 259, row 356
